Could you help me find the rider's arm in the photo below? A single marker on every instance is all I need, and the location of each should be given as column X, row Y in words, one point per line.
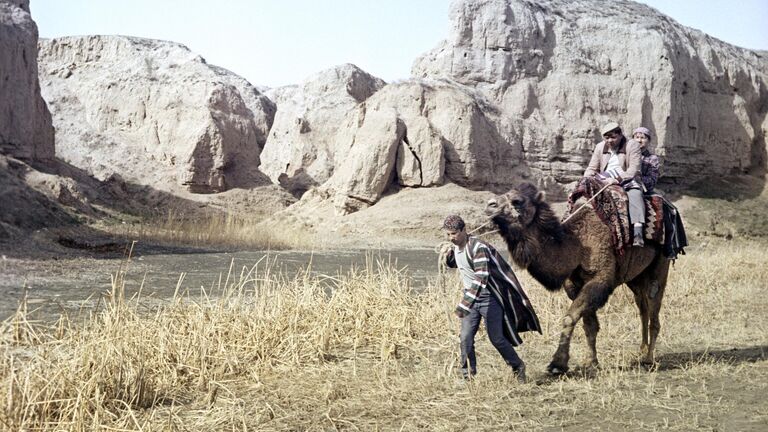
column 594, row 163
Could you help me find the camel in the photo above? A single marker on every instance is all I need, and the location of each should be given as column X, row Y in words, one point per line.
column 578, row 257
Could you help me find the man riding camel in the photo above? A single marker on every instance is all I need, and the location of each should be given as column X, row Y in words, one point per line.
column 618, row 160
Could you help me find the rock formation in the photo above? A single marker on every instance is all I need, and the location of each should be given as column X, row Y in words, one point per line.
column 300, row 152
column 262, row 108
column 153, row 112
column 29, row 199
column 520, row 90
column 25, row 122
column 416, row 134
column 26, row 133
column 559, row 69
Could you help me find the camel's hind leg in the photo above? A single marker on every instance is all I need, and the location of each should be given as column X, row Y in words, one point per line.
column 648, row 289
column 591, row 327
column 641, row 300
column 655, row 296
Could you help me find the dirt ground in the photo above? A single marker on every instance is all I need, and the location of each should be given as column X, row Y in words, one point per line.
column 712, row 359
column 712, row 355
column 710, row 374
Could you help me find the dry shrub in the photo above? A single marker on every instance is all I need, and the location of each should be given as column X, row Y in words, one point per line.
column 122, row 360
column 366, row 351
column 214, row 230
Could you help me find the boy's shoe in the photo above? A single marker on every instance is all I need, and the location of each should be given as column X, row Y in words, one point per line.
column 520, row 374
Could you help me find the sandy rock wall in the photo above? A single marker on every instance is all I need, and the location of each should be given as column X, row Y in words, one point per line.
column 520, row 89
column 517, row 92
column 557, row 70
column 153, row 112
column 420, row 134
column 300, row 152
column 261, row 107
column 25, row 122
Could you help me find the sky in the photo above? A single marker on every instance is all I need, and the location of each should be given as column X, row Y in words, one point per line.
column 279, row 42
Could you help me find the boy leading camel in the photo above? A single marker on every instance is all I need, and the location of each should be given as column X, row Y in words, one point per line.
column 492, row 292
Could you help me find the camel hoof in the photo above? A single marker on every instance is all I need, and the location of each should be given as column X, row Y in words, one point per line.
column 591, row 365
column 556, row 370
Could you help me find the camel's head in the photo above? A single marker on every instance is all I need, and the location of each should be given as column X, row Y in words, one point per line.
column 516, row 207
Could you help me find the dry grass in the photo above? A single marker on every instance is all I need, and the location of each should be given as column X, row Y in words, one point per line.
column 214, row 230
column 365, row 351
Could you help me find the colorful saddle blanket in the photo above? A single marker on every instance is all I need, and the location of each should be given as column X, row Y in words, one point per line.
column 612, row 207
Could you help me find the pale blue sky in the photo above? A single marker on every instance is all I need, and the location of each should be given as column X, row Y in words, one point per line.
column 278, row 42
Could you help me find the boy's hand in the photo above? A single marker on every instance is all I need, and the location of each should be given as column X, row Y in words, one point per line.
column 445, row 249
column 459, row 313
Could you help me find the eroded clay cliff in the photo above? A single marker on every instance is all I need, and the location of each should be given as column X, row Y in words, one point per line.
column 25, row 122
column 153, row 112
column 420, row 134
column 301, row 151
column 556, row 70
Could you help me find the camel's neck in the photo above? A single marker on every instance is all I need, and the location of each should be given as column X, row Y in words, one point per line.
column 542, row 252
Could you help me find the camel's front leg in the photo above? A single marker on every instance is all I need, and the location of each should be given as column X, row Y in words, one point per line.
column 592, row 296
column 559, row 363
column 591, row 324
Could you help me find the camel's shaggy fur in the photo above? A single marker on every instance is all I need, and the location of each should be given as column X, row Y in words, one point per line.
column 578, row 257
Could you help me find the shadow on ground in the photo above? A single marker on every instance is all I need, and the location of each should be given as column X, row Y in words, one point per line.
column 672, row 361
column 49, row 216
